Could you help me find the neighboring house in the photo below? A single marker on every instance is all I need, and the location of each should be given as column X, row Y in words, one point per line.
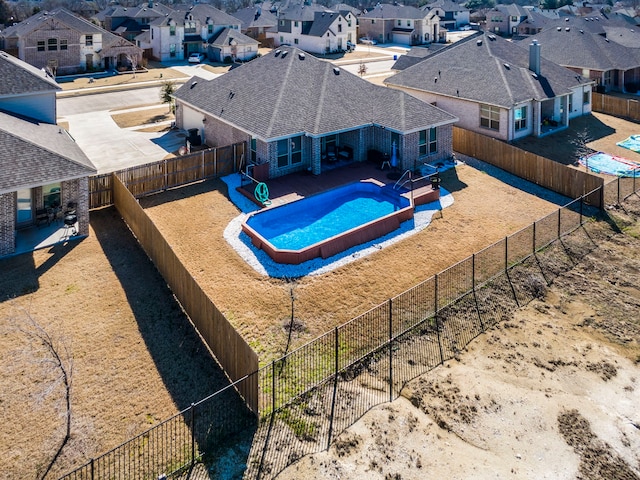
column 504, row 19
column 315, row 28
column 67, row 44
column 188, row 29
column 41, row 166
column 401, row 24
column 129, row 22
column 514, row 94
column 231, row 45
column 536, row 21
column 604, row 50
column 293, row 110
column 256, row 21
column 452, row 15
column 416, row 55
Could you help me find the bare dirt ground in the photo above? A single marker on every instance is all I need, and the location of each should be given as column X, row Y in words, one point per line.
column 551, row 393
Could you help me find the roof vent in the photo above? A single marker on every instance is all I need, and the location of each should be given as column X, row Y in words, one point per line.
column 559, row 29
column 581, row 31
column 479, row 42
column 284, row 54
column 566, row 19
column 606, row 40
column 301, row 56
column 534, row 75
column 507, row 66
column 194, row 84
column 277, row 52
column 336, row 71
column 567, row 29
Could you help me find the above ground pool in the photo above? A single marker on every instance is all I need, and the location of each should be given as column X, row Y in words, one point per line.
column 328, row 223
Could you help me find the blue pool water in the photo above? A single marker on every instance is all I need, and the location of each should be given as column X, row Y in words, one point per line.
column 600, row 162
column 305, row 222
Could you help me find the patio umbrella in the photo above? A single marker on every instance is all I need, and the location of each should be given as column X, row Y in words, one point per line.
column 394, row 157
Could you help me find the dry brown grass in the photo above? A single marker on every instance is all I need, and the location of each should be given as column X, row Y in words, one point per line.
column 193, row 220
column 125, row 80
column 143, row 117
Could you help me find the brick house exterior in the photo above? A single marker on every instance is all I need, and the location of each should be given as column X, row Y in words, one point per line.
column 313, row 108
column 41, row 166
column 66, row 44
column 406, row 25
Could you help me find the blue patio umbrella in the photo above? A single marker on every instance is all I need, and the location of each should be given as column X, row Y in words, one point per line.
column 394, row 157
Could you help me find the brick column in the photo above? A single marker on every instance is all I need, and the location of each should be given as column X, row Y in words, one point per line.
column 7, row 223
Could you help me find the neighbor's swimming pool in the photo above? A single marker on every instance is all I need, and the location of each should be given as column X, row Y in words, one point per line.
column 328, row 223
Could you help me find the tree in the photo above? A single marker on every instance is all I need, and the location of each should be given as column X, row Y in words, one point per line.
column 52, row 355
column 480, row 4
column 362, row 69
column 5, row 13
column 166, row 94
column 133, row 60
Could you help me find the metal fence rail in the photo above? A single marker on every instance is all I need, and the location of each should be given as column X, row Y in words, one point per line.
column 310, row 395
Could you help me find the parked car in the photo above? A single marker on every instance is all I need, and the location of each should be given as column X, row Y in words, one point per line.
column 196, row 57
column 465, row 27
column 368, row 41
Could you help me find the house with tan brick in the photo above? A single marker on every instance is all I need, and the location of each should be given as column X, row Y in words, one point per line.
column 43, row 172
column 498, row 88
column 67, row 44
column 403, row 24
column 299, row 113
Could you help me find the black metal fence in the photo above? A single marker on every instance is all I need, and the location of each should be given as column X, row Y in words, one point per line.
column 310, row 395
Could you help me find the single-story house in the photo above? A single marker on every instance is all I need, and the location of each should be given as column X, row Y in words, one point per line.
column 515, row 92
column 42, row 169
column 299, row 113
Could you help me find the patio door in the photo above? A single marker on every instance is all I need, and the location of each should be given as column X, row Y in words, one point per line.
column 24, row 207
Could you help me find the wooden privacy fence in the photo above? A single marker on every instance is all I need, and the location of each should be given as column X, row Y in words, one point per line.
column 542, row 171
column 158, row 176
column 619, row 107
column 236, row 357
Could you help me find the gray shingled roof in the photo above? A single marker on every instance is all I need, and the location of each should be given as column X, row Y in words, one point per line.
column 321, row 23
column 446, row 5
column 19, row 77
column 303, row 13
column 280, row 95
column 589, row 48
column 249, row 17
column 388, row 11
column 487, row 69
column 416, row 55
column 227, row 34
column 35, row 153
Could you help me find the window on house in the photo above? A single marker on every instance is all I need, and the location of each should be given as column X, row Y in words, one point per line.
column 408, row 23
column 373, row 20
column 399, row 23
column 330, row 141
column 51, row 195
column 52, row 44
column 190, row 27
column 295, row 24
column 570, row 102
column 210, row 29
column 514, row 19
column 282, row 23
column 253, row 149
column 88, row 40
column 586, row 97
column 427, row 142
column 289, row 151
column 172, row 50
column 41, row 45
column 295, row 41
column 520, row 116
column 607, row 77
column 339, row 27
column 63, row 44
column 281, row 39
column 349, row 23
column 172, row 29
column 490, row 117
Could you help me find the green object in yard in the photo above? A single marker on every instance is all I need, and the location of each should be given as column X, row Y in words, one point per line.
column 262, row 193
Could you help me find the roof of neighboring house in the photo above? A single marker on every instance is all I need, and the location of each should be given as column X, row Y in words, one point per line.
column 600, row 45
column 321, row 23
column 36, row 153
column 201, row 12
column 389, row 12
column 228, row 35
column 512, row 9
column 446, row 5
column 72, row 21
column 143, row 11
column 416, row 55
column 539, row 19
column 504, row 79
column 345, row 7
column 288, row 92
column 256, row 17
column 302, row 12
column 20, row 78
